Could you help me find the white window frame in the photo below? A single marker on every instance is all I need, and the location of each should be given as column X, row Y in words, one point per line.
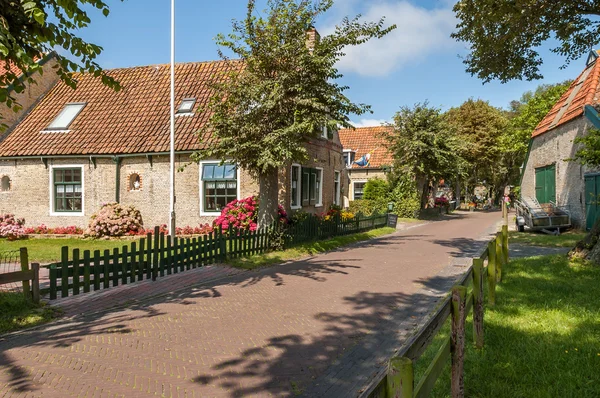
column 201, row 186
column 51, row 190
column 353, row 183
column 337, row 192
column 298, row 189
column 349, row 152
column 320, row 196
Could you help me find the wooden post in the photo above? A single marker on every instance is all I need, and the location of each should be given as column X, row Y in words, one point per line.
column 499, row 256
column 478, row 302
column 505, row 212
column 154, row 253
column 491, row 274
column 505, row 243
column 400, row 378
column 457, row 347
column 35, row 283
column 25, row 267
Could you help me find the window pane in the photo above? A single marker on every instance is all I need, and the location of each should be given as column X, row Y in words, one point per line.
column 232, row 192
column 208, row 171
column 60, row 189
column 209, row 203
column 66, row 116
column 58, row 176
column 77, row 204
column 313, row 186
column 230, row 171
column 358, row 190
column 221, row 202
column 231, row 184
column 186, row 105
column 219, row 172
column 221, row 185
column 68, row 176
column 77, row 175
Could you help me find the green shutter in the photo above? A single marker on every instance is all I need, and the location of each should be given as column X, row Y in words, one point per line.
column 540, row 191
column 551, row 183
column 545, row 184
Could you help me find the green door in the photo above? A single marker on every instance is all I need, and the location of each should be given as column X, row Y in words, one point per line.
column 545, row 184
column 592, row 204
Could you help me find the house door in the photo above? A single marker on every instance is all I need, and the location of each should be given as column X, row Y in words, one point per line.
column 545, row 184
column 592, row 204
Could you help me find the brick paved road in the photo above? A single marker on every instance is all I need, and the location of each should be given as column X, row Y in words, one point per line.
column 275, row 332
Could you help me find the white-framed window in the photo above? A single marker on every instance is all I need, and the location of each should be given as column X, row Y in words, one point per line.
column 311, row 186
column 296, row 186
column 336, row 188
column 67, row 190
column 219, row 185
column 324, row 132
column 349, row 156
column 358, row 188
column 66, row 116
column 187, row 106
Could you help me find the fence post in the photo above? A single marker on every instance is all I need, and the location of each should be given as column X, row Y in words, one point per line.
column 35, row 283
column 499, row 257
column 491, row 272
column 478, row 302
column 25, row 267
column 155, row 253
column 457, row 347
column 505, row 243
column 223, row 245
column 400, row 378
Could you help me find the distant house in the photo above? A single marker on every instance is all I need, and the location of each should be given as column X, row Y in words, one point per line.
column 28, row 98
column 547, row 175
column 78, row 149
column 366, row 156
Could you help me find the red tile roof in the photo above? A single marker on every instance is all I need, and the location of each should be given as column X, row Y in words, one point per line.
column 368, row 140
column 585, row 90
column 133, row 120
column 6, row 66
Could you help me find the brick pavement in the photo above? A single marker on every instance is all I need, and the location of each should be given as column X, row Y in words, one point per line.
column 310, row 326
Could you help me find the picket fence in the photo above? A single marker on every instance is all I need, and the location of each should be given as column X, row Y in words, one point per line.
column 157, row 255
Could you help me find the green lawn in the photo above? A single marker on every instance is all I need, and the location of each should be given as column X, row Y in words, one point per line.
column 541, row 340
column 566, row 239
column 307, row 249
column 48, row 250
column 18, row 313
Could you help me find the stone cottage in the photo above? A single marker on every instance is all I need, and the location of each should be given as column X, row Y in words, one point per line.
column 78, row 149
column 547, row 174
column 366, row 156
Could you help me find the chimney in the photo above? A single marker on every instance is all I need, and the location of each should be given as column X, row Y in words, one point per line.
column 312, row 37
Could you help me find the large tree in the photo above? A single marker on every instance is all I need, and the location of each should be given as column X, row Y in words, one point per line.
column 31, row 28
column 263, row 113
column 505, row 35
column 479, row 127
column 425, row 146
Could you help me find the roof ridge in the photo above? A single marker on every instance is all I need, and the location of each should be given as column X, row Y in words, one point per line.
column 168, row 64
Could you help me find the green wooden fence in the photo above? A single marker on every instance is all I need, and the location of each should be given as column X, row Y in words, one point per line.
column 158, row 255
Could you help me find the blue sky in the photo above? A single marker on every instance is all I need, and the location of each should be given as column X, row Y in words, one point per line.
column 417, row 62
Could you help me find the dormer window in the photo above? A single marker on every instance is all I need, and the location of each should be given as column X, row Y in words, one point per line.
column 187, row 106
column 593, row 55
column 66, row 116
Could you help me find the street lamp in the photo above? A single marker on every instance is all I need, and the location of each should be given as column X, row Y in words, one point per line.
column 172, row 132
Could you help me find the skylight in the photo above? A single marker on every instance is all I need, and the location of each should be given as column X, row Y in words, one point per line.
column 66, row 116
column 187, row 105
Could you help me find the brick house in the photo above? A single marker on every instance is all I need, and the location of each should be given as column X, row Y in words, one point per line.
column 357, row 143
column 547, row 174
column 78, row 149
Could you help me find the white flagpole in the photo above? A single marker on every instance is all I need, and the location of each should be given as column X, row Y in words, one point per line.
column 172, row 154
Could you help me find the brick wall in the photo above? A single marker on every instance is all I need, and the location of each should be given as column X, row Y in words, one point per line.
column 556, row 146
column 31, row 94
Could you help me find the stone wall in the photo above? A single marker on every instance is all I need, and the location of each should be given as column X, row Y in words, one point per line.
column 556, row 146
column 31, row 94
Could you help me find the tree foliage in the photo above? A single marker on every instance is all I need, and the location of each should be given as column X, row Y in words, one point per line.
column 424, row 145
column 505, row 35
column 264, row 112
column 31, row 28
column 589, row 152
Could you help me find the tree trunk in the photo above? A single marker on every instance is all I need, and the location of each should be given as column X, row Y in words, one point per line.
column 457, row 195
column 268, row 197
column 423, row 188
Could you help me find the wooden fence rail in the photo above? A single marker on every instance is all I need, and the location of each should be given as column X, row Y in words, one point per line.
column 398, row 380
column 157, row 255
column 31, row 291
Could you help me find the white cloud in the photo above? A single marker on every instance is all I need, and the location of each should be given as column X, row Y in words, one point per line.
column 420, row 32
column 369, row 123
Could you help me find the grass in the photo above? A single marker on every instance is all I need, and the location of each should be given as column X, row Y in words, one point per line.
column 307, row 249
column 19, row 313
column 46, row 250
column 541, row 340
column 566, row 239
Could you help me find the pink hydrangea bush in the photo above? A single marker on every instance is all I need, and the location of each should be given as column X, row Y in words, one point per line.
column 11, row 227
column 115, row 219
column 242, row 215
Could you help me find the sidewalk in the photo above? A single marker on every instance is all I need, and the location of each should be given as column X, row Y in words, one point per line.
column 300, row 327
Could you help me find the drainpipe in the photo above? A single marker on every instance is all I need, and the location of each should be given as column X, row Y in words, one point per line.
column 117, row 161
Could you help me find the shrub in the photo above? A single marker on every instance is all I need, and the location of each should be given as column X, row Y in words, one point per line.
column 336, row 211
column 368, row 207
column 114, row 219
column 377, row 189
column 405, row 197
column 44, row 230
column 202, row 229
column 241, row 215
column 11, row 227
